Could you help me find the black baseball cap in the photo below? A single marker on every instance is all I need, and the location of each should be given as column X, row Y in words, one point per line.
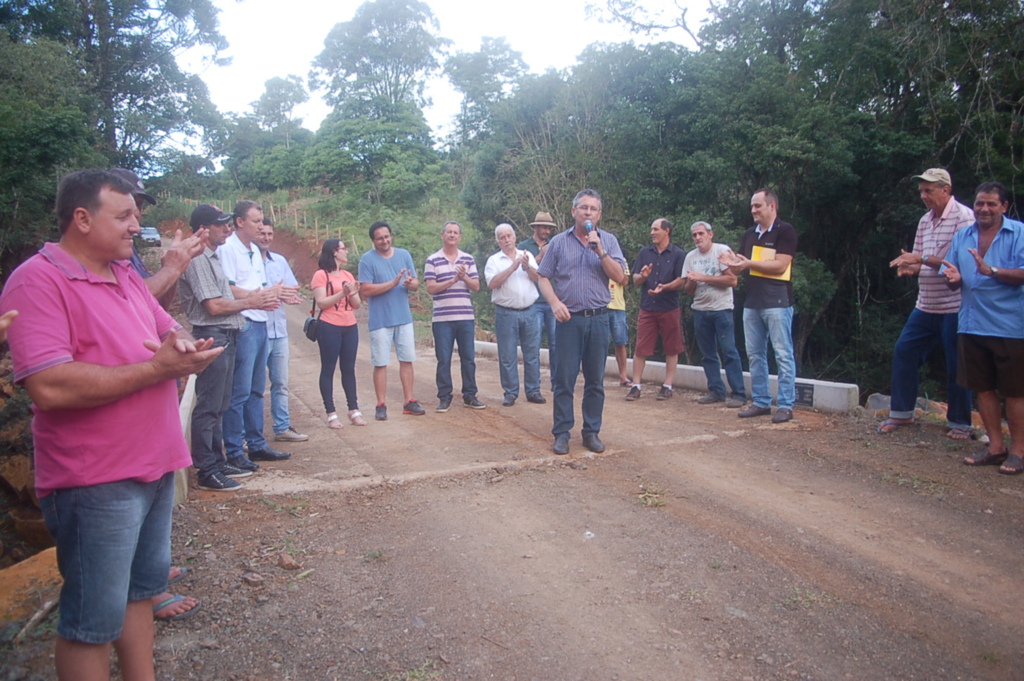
column 135, row 181
column 208, row 214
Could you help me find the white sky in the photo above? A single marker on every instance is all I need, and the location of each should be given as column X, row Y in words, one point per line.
column 271, row 38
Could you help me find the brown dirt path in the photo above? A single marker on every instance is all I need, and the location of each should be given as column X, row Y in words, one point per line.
column 455, row 546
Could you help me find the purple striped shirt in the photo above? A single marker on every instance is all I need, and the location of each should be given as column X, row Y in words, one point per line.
column 453, row 304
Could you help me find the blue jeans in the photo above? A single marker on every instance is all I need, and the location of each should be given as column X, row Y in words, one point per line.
column 548, row 324
column 446, row 335
column 277, row 365
column 775, row 323
column 244, row 417
column 522, row 328
column 582, row 342
column 921, row 334
column 213, row 397
column 715, row 333
column 113, row 547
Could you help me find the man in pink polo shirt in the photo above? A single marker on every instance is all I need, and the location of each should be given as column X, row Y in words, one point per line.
column 99, row 358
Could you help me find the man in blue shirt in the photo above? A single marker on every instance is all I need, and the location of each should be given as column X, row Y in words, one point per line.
column 574, row 280
column 277, row 339
column 386, row 277
column 986, row 263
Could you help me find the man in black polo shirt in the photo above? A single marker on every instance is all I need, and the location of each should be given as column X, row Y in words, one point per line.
column 658, row 271
column 765, row 259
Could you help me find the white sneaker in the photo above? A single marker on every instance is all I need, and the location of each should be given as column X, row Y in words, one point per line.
column 290, row 435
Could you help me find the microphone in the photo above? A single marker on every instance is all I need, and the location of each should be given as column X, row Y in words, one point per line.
column 590, row 228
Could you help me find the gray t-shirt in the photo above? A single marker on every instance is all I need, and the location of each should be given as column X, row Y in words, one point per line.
column 708, row 298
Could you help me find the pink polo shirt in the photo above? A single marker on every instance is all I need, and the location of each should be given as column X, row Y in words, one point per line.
column 70, row 315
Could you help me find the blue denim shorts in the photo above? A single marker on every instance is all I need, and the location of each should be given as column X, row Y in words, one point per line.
column 381, row 340
column 113, row 547
column 620, row 332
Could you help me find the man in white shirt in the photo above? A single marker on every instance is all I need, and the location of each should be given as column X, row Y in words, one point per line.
column 244, row 269
column 512, row 278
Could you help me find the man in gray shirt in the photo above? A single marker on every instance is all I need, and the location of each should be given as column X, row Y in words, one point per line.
column 213, row 313
column 711, row 284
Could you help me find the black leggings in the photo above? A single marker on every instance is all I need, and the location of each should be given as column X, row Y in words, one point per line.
column 338, row 344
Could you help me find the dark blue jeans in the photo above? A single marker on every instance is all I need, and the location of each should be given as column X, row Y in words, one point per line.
column 548, row 324
column 213, row 395
column 715, row 331
column 921, row 334
column 446, row 335
column 582, row 343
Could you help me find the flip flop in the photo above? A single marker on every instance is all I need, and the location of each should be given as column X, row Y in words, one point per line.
column 889, row 425
column 182, row 571
column 1013, row 466
column 171, row 601
column 984, row 458
column 960, row 433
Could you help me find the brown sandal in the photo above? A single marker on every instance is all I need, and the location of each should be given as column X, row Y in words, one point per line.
column 985, row 458
column 1013, row 466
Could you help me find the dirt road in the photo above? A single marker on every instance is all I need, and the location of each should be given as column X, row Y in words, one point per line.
column 698, row 547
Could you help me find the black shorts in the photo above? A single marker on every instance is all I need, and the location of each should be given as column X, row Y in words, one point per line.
column 990, row 363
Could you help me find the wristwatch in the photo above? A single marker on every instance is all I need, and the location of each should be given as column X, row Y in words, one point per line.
column 604, row 255
column 995, row 271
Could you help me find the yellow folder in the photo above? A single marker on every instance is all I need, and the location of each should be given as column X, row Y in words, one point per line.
column 760, row 254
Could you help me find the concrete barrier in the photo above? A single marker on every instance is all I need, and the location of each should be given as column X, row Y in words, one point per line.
column 811, row 393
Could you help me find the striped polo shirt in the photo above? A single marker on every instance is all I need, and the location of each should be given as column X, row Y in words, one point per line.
column 453, row 304
column 933, row 239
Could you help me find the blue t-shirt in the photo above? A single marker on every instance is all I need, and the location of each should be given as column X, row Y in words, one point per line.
column 391, row 308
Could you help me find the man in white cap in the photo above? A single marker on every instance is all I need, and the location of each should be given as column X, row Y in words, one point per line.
column 934, row 319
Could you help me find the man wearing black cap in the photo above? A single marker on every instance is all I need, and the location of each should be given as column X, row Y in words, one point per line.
column 174, row 260
column 214, row 313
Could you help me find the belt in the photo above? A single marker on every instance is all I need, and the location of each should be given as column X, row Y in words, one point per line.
column 513, row 309
column 230, row 333
column 589, row 313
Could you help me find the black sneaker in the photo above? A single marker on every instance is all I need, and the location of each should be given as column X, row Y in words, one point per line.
column 633, row 394
column 218, row 482
column 536, row 398
column 413, row 407
column 473, row 403
column 381, row 413
column 444, row 404
column 243, row 462
column 232, row 472
column 665, row 393
column 268, row 453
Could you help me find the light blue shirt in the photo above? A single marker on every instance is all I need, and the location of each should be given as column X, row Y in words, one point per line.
column 278, row 270
column 391, row 308
column 989, row 307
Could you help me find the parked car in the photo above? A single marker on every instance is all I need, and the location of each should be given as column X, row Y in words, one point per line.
column 150, row 236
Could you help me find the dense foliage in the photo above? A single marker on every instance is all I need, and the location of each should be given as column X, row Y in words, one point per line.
column 835, row 104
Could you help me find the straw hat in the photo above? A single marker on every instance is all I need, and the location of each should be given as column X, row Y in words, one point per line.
column 543, row 220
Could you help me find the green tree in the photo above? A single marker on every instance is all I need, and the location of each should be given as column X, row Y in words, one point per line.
column 383, row 56
column 139, row 96
column 43, row 133
column 483, row 78
column 274, row 109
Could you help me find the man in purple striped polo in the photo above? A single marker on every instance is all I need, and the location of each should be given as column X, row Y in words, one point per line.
column 450, row 275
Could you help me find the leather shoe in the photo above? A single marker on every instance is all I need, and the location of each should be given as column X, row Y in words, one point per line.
column 536, row 398
column 592, row 442
column 268, row 453
column 561, row 445
column 782, row 415
column 508, row 401
column 242, row 462
column 754, row 410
